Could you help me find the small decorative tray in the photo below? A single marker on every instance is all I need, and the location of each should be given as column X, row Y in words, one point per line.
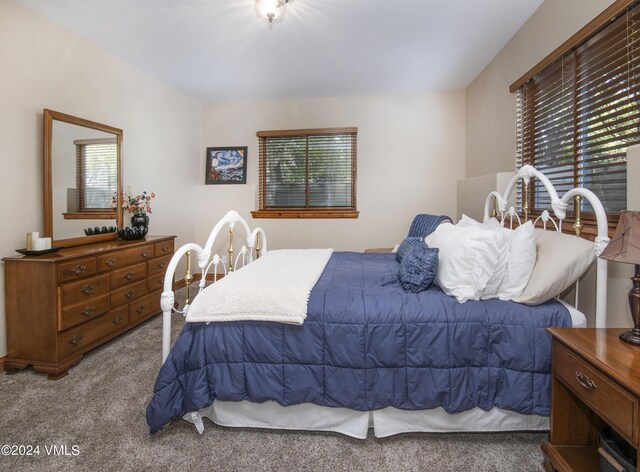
column 31, row 252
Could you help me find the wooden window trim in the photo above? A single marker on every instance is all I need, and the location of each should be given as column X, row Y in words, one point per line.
column 304, row 214
column 310, row 212
column 600, row 21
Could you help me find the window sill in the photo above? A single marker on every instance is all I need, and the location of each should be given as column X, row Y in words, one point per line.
column 90, row 215
column 305, row 214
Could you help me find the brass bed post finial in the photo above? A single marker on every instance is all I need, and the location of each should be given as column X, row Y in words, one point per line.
column 230, row 269
column 526, row 207
column 494, row 206
column 187, row 277
column 258, row 245
column 577, row 226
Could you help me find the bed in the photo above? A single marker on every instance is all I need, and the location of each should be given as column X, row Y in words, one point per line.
column 368, row 354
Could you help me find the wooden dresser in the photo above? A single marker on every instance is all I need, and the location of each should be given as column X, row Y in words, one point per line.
column 595, row 382
column 60, row 306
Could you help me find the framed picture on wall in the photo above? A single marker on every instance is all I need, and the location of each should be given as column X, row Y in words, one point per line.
column 226, row 165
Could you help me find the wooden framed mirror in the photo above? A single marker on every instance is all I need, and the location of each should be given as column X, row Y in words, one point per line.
column 82, row 175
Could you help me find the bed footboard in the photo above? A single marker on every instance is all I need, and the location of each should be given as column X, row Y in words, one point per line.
column 256, row 245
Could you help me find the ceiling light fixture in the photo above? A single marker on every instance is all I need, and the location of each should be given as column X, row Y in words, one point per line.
column 272, row 9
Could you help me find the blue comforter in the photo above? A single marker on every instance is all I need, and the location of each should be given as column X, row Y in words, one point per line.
column 367, row 344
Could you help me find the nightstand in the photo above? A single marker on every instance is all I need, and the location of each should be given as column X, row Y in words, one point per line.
column 595, row 382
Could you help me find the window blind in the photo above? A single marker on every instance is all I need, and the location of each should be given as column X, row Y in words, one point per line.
column 576, row 118
column 97, row 173
column 308, row 169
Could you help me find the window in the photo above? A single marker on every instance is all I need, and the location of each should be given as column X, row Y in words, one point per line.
column 577, row 116
column 307, row 173
column 97, row 174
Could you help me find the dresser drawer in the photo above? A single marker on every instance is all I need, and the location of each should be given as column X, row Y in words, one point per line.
column 75, row 339
column 612, row 402
column 124, row 257
column 159, row 265
column 155, row 282
column 163, row 248
column 76, row 269
column 128, row 293
column 120, row 316
column 145, row 306
column 128, row 275
column 83, row 290
column 89, row 309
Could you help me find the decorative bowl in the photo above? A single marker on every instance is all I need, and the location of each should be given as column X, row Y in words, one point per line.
column 132, row 234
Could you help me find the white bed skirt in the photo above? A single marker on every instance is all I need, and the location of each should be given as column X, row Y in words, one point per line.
column 385, row 422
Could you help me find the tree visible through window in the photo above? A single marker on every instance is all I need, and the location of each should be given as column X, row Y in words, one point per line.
column 312, row 171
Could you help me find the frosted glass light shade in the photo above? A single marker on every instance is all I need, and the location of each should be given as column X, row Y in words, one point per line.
column 271, row 9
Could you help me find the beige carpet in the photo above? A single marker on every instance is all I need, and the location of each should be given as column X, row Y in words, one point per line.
column 100, row 408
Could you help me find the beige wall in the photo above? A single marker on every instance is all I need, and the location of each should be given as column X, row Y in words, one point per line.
column 410, row 155
column 45, row 66
column 490, row 119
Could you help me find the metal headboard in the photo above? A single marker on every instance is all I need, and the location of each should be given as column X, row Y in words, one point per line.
column 497, row 205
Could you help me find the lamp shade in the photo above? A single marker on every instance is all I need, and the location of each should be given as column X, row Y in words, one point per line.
column 625, row 244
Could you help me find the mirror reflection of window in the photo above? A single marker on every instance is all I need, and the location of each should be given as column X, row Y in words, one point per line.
column 97, row 174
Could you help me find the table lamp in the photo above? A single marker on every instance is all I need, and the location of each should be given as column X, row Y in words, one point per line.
column 625, row 247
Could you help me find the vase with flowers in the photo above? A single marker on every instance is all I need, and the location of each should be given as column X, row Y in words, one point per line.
column 138, row 206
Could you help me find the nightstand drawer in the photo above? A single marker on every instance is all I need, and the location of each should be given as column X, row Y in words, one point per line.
column 609, row 400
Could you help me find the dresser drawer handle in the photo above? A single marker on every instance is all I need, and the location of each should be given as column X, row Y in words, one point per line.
column 88, row 289
column 88, row 311
column 78, row 270
column 129, row 275
column 130, row 293
column 118, row 319
column 585, row 381
column 162, row 265
column 166, row 248
column 112, row 261
column 146, row 254
column 76, row 339
column 140, row 309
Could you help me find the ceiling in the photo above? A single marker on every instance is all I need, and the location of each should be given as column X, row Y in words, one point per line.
column 220, row 50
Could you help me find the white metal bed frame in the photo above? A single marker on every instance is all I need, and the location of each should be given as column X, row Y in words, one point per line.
column 496, row 205
column 256, row 244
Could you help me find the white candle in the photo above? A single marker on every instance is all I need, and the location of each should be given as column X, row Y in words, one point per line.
column 39, row 244
column 47, row 243
column 30, row 237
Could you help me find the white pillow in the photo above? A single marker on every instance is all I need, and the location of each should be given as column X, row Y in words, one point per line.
column 468, row 258
column 561, row 260
column 519, row 261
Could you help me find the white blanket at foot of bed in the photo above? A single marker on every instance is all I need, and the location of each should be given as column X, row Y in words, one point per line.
column 275, row 287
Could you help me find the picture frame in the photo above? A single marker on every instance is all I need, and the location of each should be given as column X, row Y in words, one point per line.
column 226, row 165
